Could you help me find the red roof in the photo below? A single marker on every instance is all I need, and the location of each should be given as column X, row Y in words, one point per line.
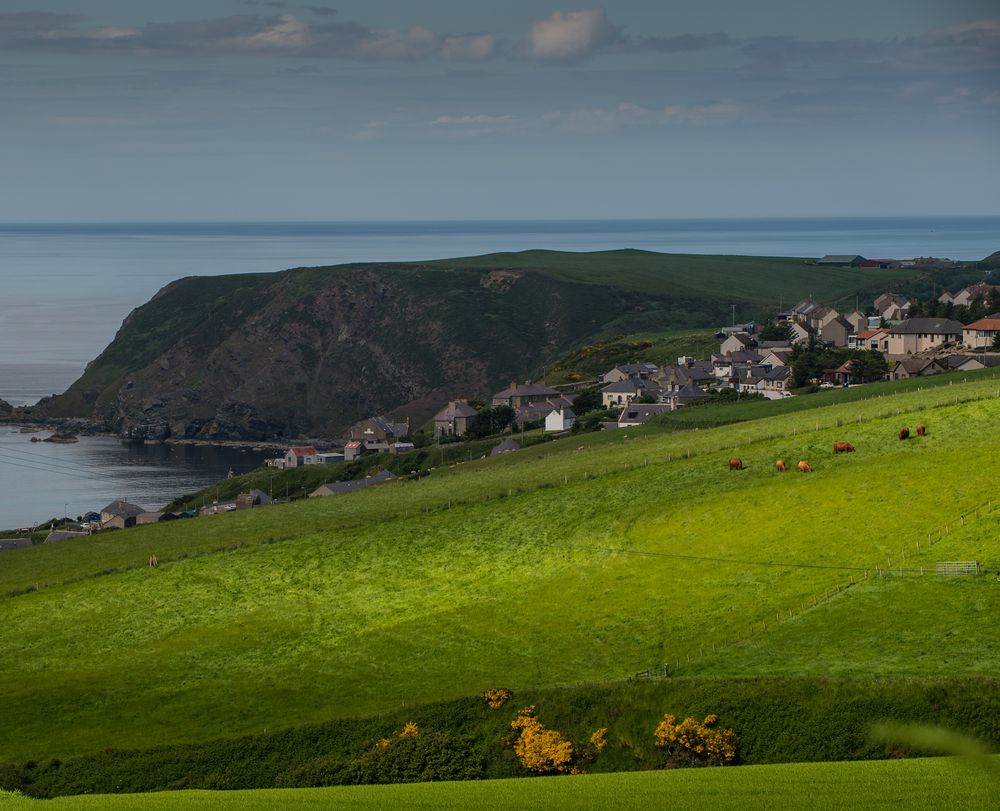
column 304, row 450
column 354, row 443
column 868, row 333
column 985, row 323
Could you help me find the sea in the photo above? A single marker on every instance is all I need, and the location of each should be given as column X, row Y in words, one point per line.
column 65, row 289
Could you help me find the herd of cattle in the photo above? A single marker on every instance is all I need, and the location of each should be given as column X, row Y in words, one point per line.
column 838, row 447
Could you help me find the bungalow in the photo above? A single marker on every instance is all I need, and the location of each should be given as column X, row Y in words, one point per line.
column 329, row 458
column 507, row 446
column 339, row 488
column 14, row 543
column 920, row 334
column 453, row 419
column 913, row 367
column 975, row 362
column 538, row 411
column 641, row 413
column 983, row 333
column 300, row 455
column 149, row 518
column 66, row 535
column 121, row 509
column 560, row 419
column 629, row 371
column 521, row 394
column 841, row 261
column 776, row 358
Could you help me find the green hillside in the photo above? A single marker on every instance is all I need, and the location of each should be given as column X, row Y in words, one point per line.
column 929, row 783
column 583, row 560
column 308, row 351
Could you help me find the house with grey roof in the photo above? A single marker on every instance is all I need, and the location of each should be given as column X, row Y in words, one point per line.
column 453, row 419
column 776, row 383
column 687, row 395
column 920, row 334
column 341, row 488
column 57, row 535
column 629, row 371
column 14, row 543
column 560, row 419
column 517, row 395
column 120, row 509
column 641, row 413
column 615, row 395
column 252, row 498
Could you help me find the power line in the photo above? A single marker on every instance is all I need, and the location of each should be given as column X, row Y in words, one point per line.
column 21, row 463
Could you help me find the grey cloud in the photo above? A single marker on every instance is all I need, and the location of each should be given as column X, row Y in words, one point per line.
column 322, row 11
column 245, row 33
column 682, row 42
column 265, row 3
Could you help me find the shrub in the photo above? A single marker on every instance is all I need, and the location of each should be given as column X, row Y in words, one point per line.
column 599, row 740
column 497, row 698
column 540, row 750
column 695, row 742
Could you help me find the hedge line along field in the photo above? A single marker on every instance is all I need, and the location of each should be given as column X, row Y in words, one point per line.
column 584, row 570
column 916, row 785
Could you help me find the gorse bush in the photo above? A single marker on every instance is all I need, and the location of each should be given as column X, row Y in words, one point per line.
column 540, row 750
column 497, row 698
column 694, row 742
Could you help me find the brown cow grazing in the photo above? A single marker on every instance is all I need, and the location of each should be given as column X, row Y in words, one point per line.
column 904, row 433
column 736, row 463
column 843, row 447
column 804, row 466
column 780, row 466
column 921, row 430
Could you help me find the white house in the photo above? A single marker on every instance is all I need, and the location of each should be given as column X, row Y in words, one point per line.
column 560, row 420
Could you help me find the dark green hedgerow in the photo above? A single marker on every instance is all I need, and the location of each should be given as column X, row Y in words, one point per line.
column 777, row 719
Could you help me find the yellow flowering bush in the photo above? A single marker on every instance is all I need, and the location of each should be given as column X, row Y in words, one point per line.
column 599, row 740
column 696, row 741
column 410, row 730
column 497, row 697
column 383, row 743
column 540, row 750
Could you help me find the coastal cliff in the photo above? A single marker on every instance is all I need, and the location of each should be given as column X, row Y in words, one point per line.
column 309, row 351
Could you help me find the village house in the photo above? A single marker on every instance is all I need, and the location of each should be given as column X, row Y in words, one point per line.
column 123, row 510
column 378, row 433
column 340, row 488
column 967, row 295
column 920, row 334
column 877, row 339
column 149, row 518
column 453, row 419
column 56, row 535
column 773, row 358
column 974, row 363
column 856, row 322
column 329, row 457
column 776, row 383
column 624, row 392
column 353, row 449
column 892, row 306
column 737, row 342
column 538, row 411
column 913, row 367
column 517, row 395
column 14, row 543
column 251, row 499
column 675, row 377
column 641, row 413
column 300, row 455
column 560, row 419
column 981, row 334
column 629, row 371
column 687, row 395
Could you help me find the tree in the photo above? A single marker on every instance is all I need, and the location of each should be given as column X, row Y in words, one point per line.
column 587, row 400
column 776, row 331
column 591, row 421
column 490, row 421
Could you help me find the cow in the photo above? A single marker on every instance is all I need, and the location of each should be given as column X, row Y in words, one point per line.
column 904, row 433
column 736, row 463
column 921, row 430
column 804, row 466
column 843, row 447
column 780, row 466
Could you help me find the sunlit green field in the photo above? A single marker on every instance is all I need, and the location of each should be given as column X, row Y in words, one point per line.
column 915, row 785
column 546, row 567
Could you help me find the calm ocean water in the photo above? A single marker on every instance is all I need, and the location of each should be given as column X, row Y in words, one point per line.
column 65, row 289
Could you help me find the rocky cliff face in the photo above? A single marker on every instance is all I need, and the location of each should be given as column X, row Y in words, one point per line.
column 307, row 352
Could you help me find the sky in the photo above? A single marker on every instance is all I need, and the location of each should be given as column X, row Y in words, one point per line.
column 115, row 110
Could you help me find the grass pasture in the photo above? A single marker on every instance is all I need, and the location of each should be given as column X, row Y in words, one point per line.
column 550, row 566
column 917, row 785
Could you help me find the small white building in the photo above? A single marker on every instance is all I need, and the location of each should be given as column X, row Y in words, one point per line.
column 561, row 419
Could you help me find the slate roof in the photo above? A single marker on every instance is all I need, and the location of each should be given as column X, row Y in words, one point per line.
column 455, row 409
column 506, row 446
column 123, row 509
column 778, row 373
column 14, row 543
column 933, row 326
column 524, row 390
column 339, row 488
column 641, row 413
column 839, row 259
column 690, row 392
